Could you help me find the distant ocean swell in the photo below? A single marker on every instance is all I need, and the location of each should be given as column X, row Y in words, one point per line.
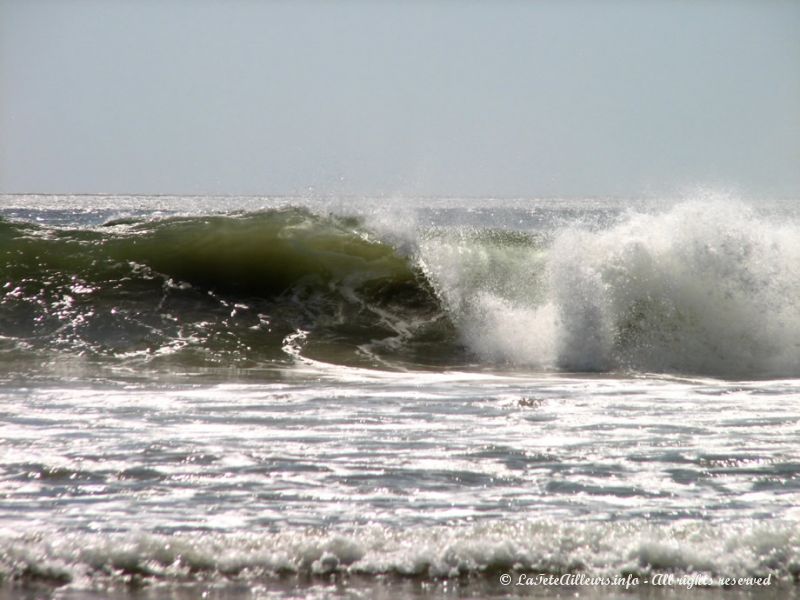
column 703, row 288
column 470, row 553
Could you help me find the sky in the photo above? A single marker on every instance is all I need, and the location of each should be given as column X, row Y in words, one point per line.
column 443, row 98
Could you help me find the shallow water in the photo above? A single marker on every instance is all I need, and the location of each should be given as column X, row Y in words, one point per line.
column 413, row 427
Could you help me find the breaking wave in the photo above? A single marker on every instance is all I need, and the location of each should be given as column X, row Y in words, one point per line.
column 704, row 288
column 708, row 287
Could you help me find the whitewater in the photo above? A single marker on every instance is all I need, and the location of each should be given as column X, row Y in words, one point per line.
column 398, row 397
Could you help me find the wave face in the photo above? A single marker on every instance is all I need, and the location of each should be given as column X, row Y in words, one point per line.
column 707, row 287
column 222, row 290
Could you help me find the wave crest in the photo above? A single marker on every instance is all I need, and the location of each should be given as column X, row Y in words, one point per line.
column 707, row 287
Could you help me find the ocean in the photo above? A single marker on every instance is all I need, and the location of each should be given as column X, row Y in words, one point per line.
column 241, row 397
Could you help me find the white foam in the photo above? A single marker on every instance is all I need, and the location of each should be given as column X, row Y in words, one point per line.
column 494, row 293
column 707, row 286
column 596, row 549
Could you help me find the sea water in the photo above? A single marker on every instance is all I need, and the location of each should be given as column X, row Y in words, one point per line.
column 290, row 398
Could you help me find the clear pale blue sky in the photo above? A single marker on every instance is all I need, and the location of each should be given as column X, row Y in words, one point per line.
column 492, row 98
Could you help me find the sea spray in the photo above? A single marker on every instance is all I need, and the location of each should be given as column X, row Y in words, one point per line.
column 706, row 287
column 703, row 287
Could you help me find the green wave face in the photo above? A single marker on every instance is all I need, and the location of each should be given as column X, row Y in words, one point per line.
column 217, row 291
column 263, row 254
